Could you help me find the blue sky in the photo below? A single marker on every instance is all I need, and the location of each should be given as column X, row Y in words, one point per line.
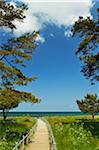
column 60, row 82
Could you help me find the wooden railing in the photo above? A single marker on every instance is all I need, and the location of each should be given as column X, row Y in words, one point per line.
column 25, row 139
column 51, row 136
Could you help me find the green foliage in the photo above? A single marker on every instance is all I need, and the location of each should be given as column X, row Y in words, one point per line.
column 90, row 104
column 17, row 50
column 13, row 57
column 12, row 131
column 71, row 133
column 10, row 13
column 88, row 30
column 11, row 98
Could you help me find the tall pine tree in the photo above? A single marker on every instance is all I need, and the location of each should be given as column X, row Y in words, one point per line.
column 17, row 50
column 88, row 30
column 13, row 56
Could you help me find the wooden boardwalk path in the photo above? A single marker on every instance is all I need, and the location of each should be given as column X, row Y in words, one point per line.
column 40, row 140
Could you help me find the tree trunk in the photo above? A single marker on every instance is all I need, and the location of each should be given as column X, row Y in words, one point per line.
column 93, row 116
column 4, row 115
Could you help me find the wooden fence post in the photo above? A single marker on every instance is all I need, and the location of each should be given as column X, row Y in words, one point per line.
column 16, row 148
column 23, row 143
column 27, row 140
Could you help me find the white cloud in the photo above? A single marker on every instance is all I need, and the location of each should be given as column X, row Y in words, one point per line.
column 61, row 13
column 13, row 3
column 67, row 33
column 40, row 39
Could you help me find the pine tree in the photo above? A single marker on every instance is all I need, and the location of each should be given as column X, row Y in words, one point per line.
column 10, row 13
column 90, row 104
column 17, row 50
column 13, row 57
column 12, row 98
column 88, row 30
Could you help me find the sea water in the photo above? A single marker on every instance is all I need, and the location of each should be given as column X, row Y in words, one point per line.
column 40, row 114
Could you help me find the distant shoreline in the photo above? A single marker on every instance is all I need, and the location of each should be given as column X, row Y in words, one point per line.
column 40, row 114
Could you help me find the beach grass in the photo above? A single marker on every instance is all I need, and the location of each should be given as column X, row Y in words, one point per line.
column 75, row 133
column 13, row 129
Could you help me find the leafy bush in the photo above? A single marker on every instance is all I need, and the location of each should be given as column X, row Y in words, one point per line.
column 12, row 131
column 70, row 133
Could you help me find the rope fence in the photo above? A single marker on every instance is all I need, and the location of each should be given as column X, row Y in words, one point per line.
column 25, row 139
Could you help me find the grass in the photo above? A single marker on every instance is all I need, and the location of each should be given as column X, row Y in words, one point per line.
column 13, row 129
column 75, row 133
